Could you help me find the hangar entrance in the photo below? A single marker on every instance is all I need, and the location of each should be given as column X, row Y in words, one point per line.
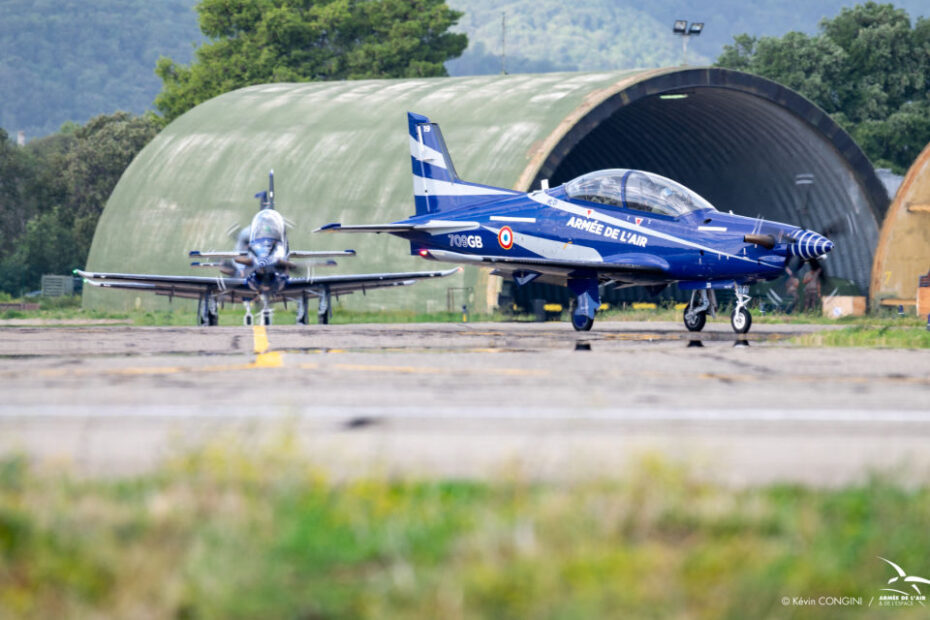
column 747, row 152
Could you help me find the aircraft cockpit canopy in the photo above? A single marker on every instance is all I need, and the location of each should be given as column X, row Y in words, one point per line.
column 267, row 224
column 636, row 190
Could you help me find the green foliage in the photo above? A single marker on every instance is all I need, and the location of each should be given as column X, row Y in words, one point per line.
column 230, row 533
column 553, row 35
column 260, row 41
column 869, row 68
column 53, row 191
column 71, row 60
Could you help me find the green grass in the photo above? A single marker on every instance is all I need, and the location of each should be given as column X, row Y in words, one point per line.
column 231, row 315
column 885, row 336
column 225, row 533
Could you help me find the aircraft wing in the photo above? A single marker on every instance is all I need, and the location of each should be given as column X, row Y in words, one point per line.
column 175, row 286
column 633, row 265
column 341, row 284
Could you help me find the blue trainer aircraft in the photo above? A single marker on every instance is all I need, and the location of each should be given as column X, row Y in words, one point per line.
column 610, row 227
column 259, row 267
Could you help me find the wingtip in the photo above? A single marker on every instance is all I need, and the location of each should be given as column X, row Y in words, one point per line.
column 328, row 227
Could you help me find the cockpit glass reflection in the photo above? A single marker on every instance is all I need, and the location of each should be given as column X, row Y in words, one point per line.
column 636, row 190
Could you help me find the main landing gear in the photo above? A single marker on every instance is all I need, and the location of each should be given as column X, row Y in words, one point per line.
column 587, row 300
column 701, row 303
column 302, row 310
column 325, row 310
column 207, row 313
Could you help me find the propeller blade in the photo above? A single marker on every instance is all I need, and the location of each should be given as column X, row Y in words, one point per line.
column 244, row 260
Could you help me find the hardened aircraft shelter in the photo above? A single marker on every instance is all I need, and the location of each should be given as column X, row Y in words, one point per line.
column 903, row 252
column 340, row 153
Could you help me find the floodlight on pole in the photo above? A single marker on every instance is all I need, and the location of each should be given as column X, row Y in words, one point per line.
column 680, row 27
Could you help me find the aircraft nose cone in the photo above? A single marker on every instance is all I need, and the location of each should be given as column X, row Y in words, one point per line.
column 810, row 245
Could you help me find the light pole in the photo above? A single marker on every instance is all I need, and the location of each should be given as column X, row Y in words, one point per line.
column 681, row 28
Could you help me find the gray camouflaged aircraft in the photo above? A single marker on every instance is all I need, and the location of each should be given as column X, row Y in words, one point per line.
column 613, row 227
column 260, row 268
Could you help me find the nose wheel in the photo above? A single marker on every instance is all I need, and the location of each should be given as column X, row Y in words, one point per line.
column 267, row 311
column 741, row 319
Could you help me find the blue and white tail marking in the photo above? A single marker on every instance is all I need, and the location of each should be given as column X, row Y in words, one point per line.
column 436, row 186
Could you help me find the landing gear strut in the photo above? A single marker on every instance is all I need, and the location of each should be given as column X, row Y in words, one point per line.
column 587, row 299
column 302, row 310
column 267, row 311
column 741, row 319
column 324, row 310
column 207, row 313
column 248, row 320
column 696, row 313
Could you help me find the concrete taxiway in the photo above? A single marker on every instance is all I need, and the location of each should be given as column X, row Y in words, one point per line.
column 531, row 399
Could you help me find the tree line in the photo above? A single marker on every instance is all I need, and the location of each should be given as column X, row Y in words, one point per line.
column 869, row 67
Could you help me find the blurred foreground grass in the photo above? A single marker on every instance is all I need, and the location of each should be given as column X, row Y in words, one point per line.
column 225, row 533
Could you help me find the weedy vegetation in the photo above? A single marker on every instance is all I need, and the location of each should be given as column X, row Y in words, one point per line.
column 229, row 532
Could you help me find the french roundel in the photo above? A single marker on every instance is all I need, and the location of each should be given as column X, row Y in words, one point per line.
column 505, row 237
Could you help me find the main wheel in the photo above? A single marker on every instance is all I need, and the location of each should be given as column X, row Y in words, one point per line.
column 695, row 321
column 582, row 323
column 266, row 319
column 741, row 320
column 213, row 319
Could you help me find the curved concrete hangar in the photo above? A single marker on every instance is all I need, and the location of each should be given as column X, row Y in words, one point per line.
column 340, row 153
column 903, row 252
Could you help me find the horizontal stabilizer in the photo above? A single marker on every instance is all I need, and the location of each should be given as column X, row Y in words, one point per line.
column 365, row 228
column 321, row 254
column 226, row 255
column 432, row 227
column 445, row 227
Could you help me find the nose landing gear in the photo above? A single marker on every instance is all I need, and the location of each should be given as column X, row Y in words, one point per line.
column 267, row 311
column 695, row 316
column 207, row 312
column 741, row 319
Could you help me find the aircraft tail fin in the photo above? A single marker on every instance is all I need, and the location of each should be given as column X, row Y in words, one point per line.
column 266, row 197
column 436, row 185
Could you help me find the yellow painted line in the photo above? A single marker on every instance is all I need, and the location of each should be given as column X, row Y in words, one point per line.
column 260, row 338
column 644, row 305
column 271, row 359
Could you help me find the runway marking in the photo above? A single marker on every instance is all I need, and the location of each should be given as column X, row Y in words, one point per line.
column 260, row 338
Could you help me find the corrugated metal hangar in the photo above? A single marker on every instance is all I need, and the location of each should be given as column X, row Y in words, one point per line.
column 903, row 252
column 340, row 153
